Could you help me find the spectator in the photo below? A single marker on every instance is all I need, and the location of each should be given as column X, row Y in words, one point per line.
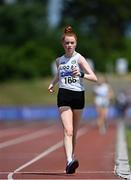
column 122, row 103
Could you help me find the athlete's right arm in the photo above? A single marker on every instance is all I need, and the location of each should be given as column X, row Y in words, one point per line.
column 55, row 79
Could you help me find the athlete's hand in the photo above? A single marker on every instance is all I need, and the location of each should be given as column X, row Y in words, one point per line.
column 76, row 72
column 51, row 88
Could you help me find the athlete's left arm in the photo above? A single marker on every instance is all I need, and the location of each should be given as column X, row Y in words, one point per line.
column 88, row 73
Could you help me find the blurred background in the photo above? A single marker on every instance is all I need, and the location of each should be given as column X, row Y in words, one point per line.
column 30, row 33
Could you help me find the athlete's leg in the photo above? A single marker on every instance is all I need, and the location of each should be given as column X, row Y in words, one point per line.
column 67, row 122
column 105, row 113
column 99, row 116
column 102, row 119
column 76, row 119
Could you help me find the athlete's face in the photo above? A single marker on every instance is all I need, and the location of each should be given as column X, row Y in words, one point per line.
column 69, row 44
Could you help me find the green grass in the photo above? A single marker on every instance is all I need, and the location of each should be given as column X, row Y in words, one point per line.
column 32, row 92
column 128, row 137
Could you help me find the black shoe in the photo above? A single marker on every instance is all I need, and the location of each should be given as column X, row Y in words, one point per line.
column 71, row 167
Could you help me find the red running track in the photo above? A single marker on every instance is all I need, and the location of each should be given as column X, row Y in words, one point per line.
column 35, row 151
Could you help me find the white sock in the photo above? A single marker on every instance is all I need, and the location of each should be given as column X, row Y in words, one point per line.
column 73, row 156
column 69, row 160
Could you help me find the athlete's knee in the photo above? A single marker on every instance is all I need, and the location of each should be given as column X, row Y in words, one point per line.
column 69, row 132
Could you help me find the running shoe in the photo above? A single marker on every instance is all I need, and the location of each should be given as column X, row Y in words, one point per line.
column 72, row 166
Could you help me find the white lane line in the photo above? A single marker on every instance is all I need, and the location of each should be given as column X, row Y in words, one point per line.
column 122, row 168
column 81, row 132
column 27, row 137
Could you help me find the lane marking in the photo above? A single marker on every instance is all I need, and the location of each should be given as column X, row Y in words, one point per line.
column 122, row 168
column 81, row 132
column 27, row 137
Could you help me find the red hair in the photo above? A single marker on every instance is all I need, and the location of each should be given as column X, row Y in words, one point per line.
column 68, row 31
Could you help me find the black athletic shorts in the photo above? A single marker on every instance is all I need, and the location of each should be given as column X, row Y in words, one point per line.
column 73, row 99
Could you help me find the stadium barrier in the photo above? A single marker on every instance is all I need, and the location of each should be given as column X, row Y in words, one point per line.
column 47, row 113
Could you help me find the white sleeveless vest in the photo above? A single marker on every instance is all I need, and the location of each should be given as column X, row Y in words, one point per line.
column 101, row 92
column 66, row 79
